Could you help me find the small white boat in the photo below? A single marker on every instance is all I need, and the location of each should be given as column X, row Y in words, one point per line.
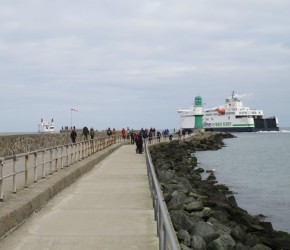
column 46, row 127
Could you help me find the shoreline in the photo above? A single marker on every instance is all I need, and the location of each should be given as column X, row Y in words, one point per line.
column 205, row 213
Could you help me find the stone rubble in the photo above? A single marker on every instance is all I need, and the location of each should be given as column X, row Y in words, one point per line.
column 204, row 213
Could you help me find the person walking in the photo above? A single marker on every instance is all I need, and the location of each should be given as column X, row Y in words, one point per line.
column 92, row 133
column 139, row 144
column 85, row 133
column 123, row 134
column 132, row 135
column 158, row 136
column 73, row 136
column 109, row 131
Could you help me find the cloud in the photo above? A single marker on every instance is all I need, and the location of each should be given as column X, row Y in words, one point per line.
column 112, row 59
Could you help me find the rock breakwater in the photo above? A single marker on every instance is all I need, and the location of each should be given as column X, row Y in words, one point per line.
column 204, row 213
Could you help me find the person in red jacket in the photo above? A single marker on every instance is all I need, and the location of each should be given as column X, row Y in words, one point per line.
column 124, row 133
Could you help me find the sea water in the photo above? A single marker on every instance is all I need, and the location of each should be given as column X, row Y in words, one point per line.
column 256, row 166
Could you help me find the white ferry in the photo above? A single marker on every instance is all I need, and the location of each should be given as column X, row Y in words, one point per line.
column 46, row 127
column 232, row 116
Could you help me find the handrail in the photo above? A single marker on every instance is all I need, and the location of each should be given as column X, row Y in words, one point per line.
column 53, row 158
column 165, row 231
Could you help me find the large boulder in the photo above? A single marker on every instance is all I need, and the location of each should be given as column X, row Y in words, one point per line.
column 193, row 206
column 184, row 247
column 204, row 230
column 237, row 232
column 197, row 243
column 205, row 213
column 177, row 200
column 219, row 228
column 183, row 237
column 224, row 242
column 260, row 247
column 182, row 220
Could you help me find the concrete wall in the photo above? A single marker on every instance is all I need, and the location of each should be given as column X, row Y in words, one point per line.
column 30, row 142
column 23, row 143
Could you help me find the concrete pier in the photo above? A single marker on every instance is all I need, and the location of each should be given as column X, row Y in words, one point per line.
column 108, row 208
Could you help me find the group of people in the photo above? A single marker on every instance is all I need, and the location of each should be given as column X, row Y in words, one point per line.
column 138, row 138
column 85, row 133
column 135, row 137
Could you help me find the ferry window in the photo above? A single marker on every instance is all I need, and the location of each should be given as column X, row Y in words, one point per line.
column 229, row 117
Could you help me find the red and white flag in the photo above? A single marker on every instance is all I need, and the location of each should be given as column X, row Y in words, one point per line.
column 73, row 109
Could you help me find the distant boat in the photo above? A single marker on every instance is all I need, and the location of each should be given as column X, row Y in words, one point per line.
column 232, row 116
column 46, row 127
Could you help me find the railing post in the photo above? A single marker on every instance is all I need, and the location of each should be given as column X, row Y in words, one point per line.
column 43, row 164
column 26, row 171
column 86, row 148
column 75, row 150
column 1, row 180
column 14, row 174
column 71, row 154
column 61, row 157
column 79, row 150
column 50, row 163
column 82, row 149
column 56, row 159
column 35, row 167
column 94, row 146
column 67, row 156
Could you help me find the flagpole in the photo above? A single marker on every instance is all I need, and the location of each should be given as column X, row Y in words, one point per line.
column 71, row 118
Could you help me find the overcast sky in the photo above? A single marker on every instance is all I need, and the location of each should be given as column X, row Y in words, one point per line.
column 135, row 63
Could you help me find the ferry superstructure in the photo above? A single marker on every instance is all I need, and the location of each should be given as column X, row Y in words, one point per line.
column 232, row 116
column 46, row 127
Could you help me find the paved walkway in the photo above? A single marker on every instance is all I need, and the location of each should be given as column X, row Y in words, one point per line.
column 108, row 208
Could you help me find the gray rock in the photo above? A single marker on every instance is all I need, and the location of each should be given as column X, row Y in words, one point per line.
column 199, row 170
column 197, row 196
column 205, row 230
column 197, row 243
column 182, row 220
column 252, row 240
column 205, row 213
column 221, row 215
column 193, row 206
column 177, row 201
column 220, row 229
column 184, row 237
column 183, row 247
column 240, row 246
column 232, row 201
column 237, row 232
column 189, row 200
column 211, row 177
column 260, row 247
column 224, row 242
column 165, row 176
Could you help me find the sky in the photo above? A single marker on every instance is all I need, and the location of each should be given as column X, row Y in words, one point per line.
column 135, row 63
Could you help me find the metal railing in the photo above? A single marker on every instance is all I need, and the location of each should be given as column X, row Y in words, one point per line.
column 22, row 170
column 165, row 232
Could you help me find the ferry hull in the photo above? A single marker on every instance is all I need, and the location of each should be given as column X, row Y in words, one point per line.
column 266, row 124
column 241, row 129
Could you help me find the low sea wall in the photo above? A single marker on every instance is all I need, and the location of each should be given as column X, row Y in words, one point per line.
column 22, row 143
column 204, row 213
